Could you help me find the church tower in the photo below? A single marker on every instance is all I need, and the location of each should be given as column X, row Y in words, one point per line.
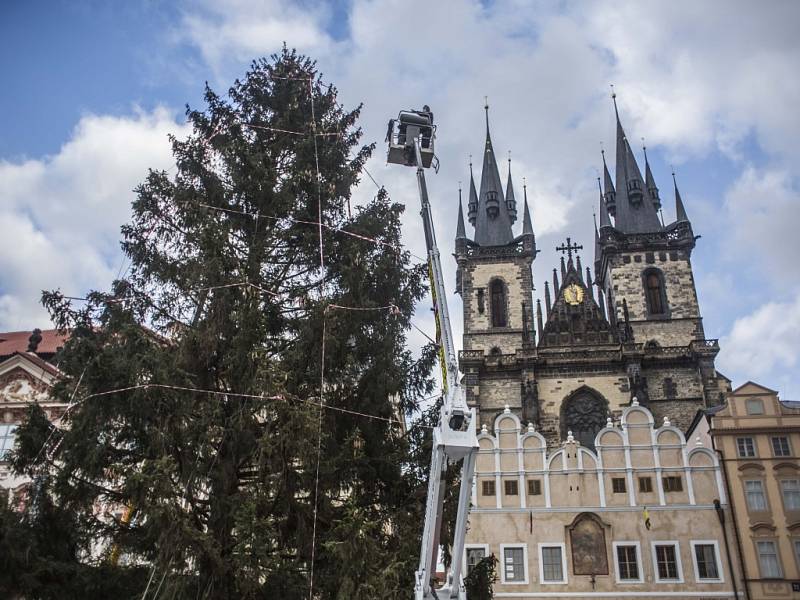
column 495, row 282
column 590, row 346
column 644, row 269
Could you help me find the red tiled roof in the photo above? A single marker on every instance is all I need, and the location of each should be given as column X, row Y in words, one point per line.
column 17, row 341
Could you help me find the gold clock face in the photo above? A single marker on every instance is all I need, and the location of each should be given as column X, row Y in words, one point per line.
column 573, row 294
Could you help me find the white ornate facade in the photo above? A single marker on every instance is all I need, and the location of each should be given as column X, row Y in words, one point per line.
column 571, row 522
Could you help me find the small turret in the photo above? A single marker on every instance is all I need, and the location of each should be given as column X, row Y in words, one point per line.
column 650, row 182
column 472, row 205
column 511, row 201
column 610, row 194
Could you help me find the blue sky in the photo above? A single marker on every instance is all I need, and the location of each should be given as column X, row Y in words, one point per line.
column 92, row 89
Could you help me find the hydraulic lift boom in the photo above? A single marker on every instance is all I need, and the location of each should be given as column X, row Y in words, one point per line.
column 411, row 137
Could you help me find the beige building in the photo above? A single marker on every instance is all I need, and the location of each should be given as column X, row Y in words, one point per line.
column 758, row 437
column 26, row 375
column 636, row 518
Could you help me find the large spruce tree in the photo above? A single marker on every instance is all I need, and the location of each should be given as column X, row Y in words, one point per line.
column 196, row 461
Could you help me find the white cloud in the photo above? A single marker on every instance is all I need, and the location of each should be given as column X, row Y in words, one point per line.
column 764, row 345
column 61, row 214
column 763, row 209
column 234, row 31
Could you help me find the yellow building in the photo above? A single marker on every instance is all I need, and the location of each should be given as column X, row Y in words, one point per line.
column 758, row 437
column 636, row 518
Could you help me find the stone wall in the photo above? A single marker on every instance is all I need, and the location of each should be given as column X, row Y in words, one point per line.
column 624, row 277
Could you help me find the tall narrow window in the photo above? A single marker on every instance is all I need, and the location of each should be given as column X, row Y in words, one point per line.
column 498, row 300
column 791, row 494
column 627, row 563
column 654, row 293
column 667, row 562
column 474, row 556
column 754, row 491
column 513, row 565
column 7, row 436
column 768, row 560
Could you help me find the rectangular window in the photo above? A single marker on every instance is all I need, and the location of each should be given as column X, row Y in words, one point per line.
column 705, row 557
column 791, row 494
column 487, row 488
column 667, row 562
column 512, row 489
column 754, row 490
column 768, row 560
column 745, row 447
column 645, row 485
column 552, row 564
column 780, row 446
column 673, row 483
column 627, row 563
column 754, row 406
column 535, row 487
column 618, row 485
column 513, row 564
column 7, row 435
column 474, row 556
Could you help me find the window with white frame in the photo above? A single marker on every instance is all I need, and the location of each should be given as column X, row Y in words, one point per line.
column 705, row 556
column 667, row 561
column 754, row 491
column 552, row 563
column 780, row 446
column 745, row 447
column 628, row 562
column 768, row 559
column 475, row 554
column 514, row 569
column 790, row 488
column 7, row 435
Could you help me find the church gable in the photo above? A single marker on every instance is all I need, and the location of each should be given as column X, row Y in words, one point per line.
column 575, row 318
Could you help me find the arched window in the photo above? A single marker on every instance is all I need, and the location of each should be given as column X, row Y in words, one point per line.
column 498, row 299
column 583, row 413
column 654, row 292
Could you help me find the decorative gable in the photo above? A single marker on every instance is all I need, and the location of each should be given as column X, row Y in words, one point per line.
column 575, row 318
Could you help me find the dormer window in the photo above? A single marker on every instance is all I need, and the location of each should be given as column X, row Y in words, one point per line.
column 498, row 299
column 492, row 204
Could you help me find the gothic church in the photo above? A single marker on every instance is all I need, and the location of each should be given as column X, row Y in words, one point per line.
column 633, row 330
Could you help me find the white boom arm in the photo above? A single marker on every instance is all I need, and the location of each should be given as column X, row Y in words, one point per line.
column 453, row 438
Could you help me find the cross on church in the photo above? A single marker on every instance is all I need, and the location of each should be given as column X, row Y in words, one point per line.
column 569, row 247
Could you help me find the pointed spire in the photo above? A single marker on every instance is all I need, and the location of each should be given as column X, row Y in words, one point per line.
column 680, row 211
column 633, row 214
column 511, row 201
column 556, row 287
column 609, row 194
column 461, row 232
column 472, row 206
column 527, row 224
column 493, row 221
column 539, row 326
column 589, row 284
column 564, row 269
column 579, row 267
column 650, row 182
column 547, row 304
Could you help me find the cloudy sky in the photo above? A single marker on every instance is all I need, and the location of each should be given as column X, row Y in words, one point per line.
column 93, row 88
